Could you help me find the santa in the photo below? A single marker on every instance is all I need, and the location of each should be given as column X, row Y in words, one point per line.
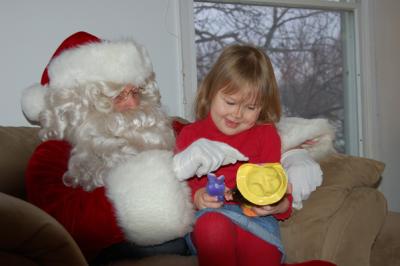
column 106, row 169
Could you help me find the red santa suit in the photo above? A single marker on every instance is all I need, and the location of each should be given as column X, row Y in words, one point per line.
column 137, row 197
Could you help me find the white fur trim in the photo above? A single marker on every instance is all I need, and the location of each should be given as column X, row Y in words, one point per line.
column 120, row 62
column 151, row 205
column 294, row 131
column 32, row 101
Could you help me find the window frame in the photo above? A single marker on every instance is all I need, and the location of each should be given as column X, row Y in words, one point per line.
column 363, row 113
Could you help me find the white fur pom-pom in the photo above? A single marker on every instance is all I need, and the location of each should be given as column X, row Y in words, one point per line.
column 152, row 206
column 32, row 101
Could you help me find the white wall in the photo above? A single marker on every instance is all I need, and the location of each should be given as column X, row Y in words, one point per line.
column 32, row 30
column 387, row 56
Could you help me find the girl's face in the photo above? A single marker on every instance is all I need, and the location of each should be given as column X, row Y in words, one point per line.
column 233, row 113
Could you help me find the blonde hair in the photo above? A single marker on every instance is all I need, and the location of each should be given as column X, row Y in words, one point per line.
column 242, row 66
column 100, row 136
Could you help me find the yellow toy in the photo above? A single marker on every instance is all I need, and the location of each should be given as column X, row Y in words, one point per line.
column 261, row 184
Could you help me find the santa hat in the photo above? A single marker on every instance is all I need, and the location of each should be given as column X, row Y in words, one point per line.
column 83, row 58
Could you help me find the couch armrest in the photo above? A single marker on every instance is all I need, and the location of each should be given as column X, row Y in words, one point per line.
column 16, row 146
column 29, row 234
column 353, row 230
column 341, row 219
column 387, row 245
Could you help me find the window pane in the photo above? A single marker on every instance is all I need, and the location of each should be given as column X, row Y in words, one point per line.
column 305, row 46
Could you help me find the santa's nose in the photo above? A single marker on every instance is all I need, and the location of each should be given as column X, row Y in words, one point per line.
column 128, row 99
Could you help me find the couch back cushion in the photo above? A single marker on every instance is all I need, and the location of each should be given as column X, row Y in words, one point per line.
column 347, row 190
column 16, row 146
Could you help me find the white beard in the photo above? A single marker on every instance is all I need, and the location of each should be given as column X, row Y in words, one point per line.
column 101, row 137
column 104, row 140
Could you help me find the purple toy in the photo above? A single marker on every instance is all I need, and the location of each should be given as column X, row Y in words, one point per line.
column 216, row 186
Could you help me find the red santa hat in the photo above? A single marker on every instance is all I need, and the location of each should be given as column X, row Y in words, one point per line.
column 83, row 58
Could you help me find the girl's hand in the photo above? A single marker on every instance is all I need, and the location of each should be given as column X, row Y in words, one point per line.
column 203, row 200
column 228, row 194
column 279, row 207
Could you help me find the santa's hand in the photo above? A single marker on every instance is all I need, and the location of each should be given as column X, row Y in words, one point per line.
column 303, row 172
column 204, row 156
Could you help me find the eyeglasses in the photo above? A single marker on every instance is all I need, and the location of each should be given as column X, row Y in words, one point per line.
column 127, row 92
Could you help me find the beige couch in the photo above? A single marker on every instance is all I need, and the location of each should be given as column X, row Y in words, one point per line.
column 344, row 221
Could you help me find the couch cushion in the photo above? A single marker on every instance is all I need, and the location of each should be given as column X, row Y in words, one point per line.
column 16, row 146
column 387, row 245
column 341, row 173
column 7, row 258
column 347, row 171
column 32, row 234
column 334, row 201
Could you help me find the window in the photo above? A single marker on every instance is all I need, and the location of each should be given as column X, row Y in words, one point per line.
column 312, row 46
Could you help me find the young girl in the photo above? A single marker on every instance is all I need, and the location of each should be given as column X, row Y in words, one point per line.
column 237, row 103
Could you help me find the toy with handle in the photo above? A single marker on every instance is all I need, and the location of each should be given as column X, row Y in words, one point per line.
column 216, row 186
column 259, row 185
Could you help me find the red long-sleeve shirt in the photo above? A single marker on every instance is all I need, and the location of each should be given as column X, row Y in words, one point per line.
column 261, row 144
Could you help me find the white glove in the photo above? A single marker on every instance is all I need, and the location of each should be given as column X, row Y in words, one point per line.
column 204, row 156
column 303, row 173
